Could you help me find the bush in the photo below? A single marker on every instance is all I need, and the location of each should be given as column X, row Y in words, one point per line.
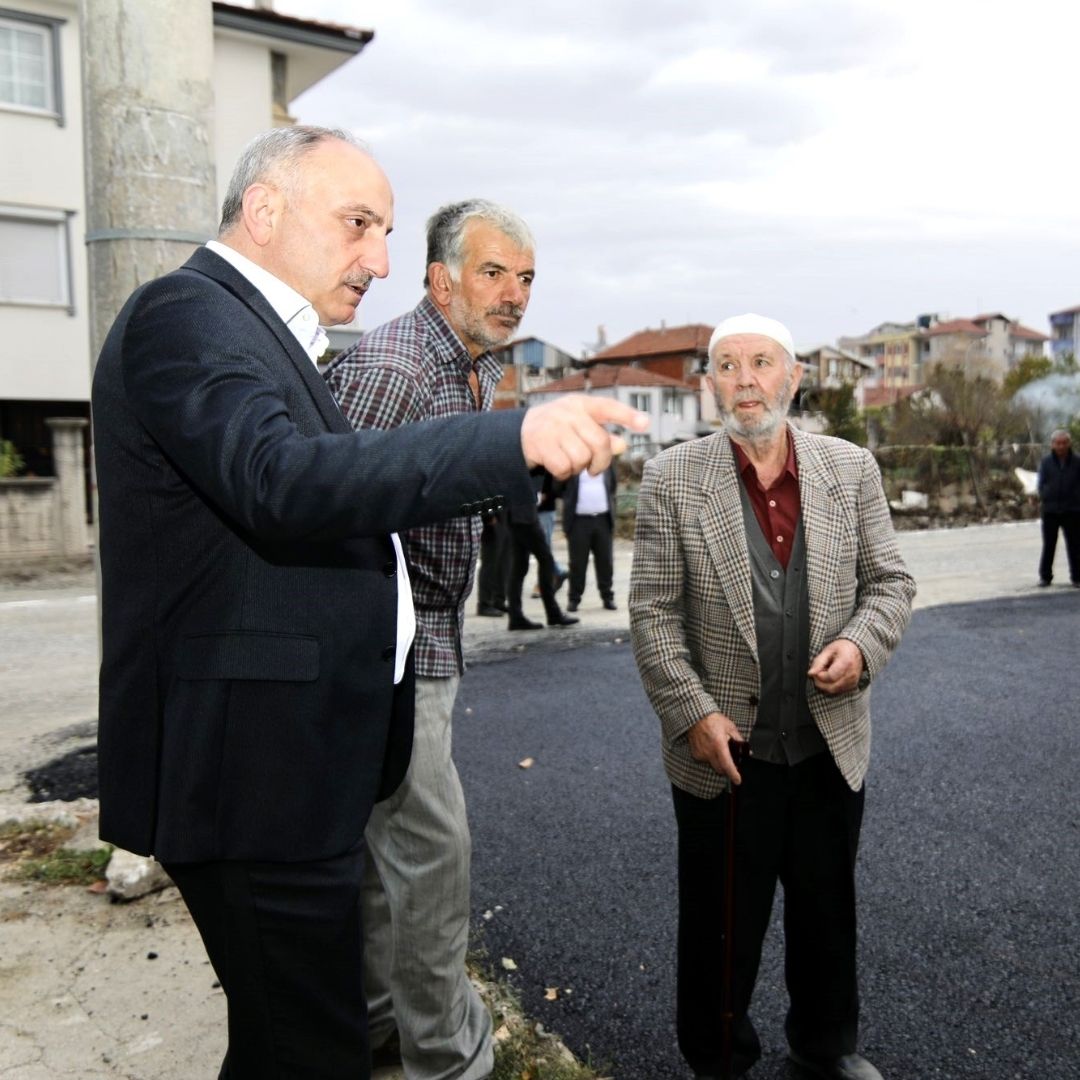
column 11, row 462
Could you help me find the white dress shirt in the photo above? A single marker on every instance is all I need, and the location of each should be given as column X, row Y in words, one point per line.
column 303, row 323
column 592, row 494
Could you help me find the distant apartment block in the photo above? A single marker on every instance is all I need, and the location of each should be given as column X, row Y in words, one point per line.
column 987, row 344
column 903, row 353
column 1065, row 332
column 893, row 351
column 827, row 367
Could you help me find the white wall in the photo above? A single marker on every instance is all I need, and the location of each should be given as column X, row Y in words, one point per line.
column 243, row 100
column 44, row 351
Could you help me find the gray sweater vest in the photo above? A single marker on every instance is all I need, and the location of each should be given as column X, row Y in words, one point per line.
column 784, row 732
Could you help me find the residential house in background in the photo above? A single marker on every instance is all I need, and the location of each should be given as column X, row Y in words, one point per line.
column 1065, row 332
column 262, row 61
column 826, row 367
column 672, row 404
column 675, row 352
column 527, row 364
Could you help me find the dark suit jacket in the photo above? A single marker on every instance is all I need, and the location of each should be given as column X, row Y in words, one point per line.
column 249, row 589
column 570, row 496
column 1059, row 484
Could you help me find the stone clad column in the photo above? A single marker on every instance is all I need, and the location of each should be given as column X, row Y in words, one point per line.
column 69, row 461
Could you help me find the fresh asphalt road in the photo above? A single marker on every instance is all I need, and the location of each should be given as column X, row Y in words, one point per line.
column 969, row 869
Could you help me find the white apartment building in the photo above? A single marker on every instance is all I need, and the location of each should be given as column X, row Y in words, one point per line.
column 262, row 62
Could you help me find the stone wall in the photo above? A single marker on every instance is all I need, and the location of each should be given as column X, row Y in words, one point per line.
column 42, row 519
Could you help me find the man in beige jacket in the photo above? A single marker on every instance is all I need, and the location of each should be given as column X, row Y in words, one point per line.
column 767, row 592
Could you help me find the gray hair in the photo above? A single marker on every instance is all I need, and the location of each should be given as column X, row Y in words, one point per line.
column 446, row 231
column 1059, row 433
column 273, row 156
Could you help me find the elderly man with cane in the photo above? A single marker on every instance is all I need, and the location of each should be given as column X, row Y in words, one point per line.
column 767, row 592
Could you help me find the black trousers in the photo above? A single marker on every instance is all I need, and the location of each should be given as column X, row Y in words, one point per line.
column 286, row 943
column 799, row 824
column 1069, row 524
column 591, row 533
column 494, row 561
column 528, row 539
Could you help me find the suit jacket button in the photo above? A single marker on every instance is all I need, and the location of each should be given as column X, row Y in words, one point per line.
column 390, row 569
column 388, row 652
column 753, row 699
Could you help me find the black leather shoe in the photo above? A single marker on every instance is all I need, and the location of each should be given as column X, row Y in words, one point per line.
column 572, row 606
column 845, row 1067
column 519, row 622
column 563, row 620
column 610, row 605
column 1043, row 583
column 490, row 611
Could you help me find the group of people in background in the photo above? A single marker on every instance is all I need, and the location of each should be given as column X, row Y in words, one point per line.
column 508, row 541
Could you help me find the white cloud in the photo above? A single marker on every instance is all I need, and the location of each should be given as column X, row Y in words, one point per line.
column 834, row 162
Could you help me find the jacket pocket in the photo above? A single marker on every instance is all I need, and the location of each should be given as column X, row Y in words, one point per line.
column 241, row 654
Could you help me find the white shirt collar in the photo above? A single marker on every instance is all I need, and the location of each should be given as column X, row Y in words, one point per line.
column 295, row 312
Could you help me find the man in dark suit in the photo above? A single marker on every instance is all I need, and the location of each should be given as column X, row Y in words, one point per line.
column 256, row 694
column 589, row 524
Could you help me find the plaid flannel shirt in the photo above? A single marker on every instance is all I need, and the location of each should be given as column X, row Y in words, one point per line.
column 416, row 368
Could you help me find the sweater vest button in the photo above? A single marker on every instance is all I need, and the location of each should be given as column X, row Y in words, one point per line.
column 389, row 569
column 388, row 652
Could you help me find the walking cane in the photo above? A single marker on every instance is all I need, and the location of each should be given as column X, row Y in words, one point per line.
column 739, row 751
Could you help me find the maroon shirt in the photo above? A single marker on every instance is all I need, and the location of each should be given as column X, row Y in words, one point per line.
column 776, row 508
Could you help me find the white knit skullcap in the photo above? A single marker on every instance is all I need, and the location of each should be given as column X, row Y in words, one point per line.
column 754, row 324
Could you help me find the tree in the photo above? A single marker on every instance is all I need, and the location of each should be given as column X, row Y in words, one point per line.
column 1028, row 369
column 842, row 418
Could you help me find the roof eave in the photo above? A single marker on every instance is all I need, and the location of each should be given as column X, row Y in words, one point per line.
column 346, row 39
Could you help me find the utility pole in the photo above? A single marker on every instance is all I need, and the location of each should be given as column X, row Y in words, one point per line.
column 148, row 102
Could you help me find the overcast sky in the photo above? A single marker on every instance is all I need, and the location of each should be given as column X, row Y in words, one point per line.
column 831, row 163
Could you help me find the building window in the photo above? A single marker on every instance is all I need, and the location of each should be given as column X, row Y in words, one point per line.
column 639, row 445
column 640, row 402
column 30, row 63
column 35, row 257
column 672, row 403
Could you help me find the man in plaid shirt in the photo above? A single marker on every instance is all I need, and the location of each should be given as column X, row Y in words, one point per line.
column 434, row 361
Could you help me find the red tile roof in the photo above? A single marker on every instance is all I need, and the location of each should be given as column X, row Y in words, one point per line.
column 604, row 376
column 1015, row 329
column 1018, row 331
column 693, row 338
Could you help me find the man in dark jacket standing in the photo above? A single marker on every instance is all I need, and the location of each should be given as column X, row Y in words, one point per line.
column 1059, row 493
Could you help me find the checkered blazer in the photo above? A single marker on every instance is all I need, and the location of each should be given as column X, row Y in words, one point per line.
column 691, row 599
